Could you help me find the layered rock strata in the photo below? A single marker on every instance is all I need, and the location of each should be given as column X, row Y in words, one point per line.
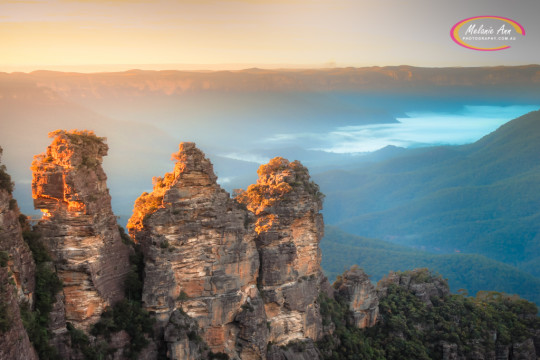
column 289, row 227
column 79, row 228
column 21, row 263
column 200, row 258
column 357, row 290
column 17, row 276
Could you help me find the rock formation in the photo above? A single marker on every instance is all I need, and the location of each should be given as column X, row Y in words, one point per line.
column 223, row 278
column 289, row 228
column 14, row 342
column 466, row 327
column 79, row 228
column 201, row 259
column 420, row 282
column 17, row 274
column 357, row 290
column 212, row 257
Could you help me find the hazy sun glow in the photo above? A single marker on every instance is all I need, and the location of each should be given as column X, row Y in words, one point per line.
column 92, row 35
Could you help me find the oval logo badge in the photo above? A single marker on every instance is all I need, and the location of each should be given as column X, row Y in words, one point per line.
column 486, row 33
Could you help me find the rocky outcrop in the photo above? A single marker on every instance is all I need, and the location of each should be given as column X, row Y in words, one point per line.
column 200, row 256
column 14, row 342
column 79, row 228
column 491, row 326
column 17, row 276
column 296, row 350
column 21, row 263
column 289, row 227
column 420, row 282
column 355, row 288
column 182, row 337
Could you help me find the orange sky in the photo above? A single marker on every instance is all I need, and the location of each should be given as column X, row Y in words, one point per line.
column 90, row 35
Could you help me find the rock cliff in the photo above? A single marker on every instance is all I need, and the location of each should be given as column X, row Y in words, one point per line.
column 17, row 276
column 289, row 227
column 223, row 278
column 200, row 258
column 355, row 288
column 79, row 228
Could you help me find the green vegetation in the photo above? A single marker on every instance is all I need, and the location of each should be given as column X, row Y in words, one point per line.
column 80, row 341
column 347, row 342
column 47, row 286
column 126, row 315
column 409, row 329
column 125, row 237
column 464, row 271
column 78, row 136
column 4, row 258
column 217, row 356
column 5, row 318
column 482, row 198
column 12, row 204
column 134, row 279
column 39, row 252
column 5, row 179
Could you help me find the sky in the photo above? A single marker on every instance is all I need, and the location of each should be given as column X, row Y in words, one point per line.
column 99, row 35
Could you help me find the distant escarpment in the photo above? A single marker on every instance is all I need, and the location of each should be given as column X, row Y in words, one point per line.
column 17, row 276
column 79, row 229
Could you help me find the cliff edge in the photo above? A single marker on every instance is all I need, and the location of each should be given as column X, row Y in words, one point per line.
column 79, row 228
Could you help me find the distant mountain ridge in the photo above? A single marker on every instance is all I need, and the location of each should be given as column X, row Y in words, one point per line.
column 171, row 82
column 480, row 198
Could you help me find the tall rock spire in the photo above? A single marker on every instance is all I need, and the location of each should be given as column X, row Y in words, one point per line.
column 289, row 227
column 200, row 259
column 78, row 227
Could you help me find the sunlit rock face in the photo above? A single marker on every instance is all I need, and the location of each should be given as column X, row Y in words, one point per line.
column 358, row 291
column 289, row 228
column 17, row 277
column 201, row 257
column 79, row 227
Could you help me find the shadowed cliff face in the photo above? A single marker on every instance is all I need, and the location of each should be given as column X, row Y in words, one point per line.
column 200, row 257
column 79, row 227
column 17, row 276
column 359, row 293
column 289, row 228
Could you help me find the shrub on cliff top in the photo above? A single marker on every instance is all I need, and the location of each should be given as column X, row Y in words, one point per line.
column 5, row 180
column 75, row 135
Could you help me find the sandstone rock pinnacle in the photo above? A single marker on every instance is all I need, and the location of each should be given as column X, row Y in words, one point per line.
column 289, row 227
column 200, row 258
column 78, row 227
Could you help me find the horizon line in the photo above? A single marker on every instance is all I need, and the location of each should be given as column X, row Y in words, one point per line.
column 110, row 68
